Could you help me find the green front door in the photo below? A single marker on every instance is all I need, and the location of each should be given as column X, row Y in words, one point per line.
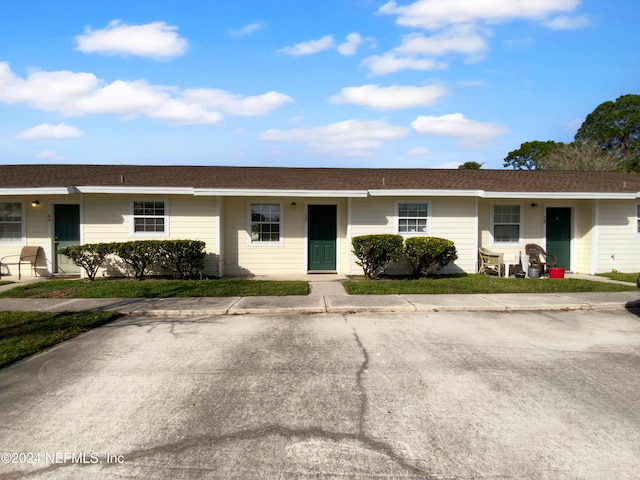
column 66, row 232
column 559, row 235
column 322, row 237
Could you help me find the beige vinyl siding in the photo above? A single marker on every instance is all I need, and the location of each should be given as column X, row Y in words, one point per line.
column 584, row 235
column 531, row 223
column 455, row 220
column 243, row 258
column 618, row 242
column 38, row 231
column 450, row 218
column 107, row 218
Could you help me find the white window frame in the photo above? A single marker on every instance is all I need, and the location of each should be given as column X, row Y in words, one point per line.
column 132, row 228
column 398, row 217
column 23, row 215
column 493, row 224
column 262, row 243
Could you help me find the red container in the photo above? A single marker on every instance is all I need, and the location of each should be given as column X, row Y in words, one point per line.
column 555, row 272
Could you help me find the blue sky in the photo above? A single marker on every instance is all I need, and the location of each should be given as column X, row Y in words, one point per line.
column 332, row 83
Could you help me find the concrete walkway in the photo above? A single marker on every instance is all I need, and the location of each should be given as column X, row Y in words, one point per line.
column 328, row 296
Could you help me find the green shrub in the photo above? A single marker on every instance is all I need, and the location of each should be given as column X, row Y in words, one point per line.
column 140, row 255
column 427, row 255
column 89, row 256
column 184, row 258
column 376, row 252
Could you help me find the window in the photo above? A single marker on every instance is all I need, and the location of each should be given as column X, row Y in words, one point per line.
column 638, row 219
column 149, row 217
column 506, row 223
column 413, row 217
column 265, row 223
column 10, row 222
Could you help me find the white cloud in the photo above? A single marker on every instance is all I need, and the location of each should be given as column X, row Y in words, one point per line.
column 462, row 27
column 470, row 133
column 391, row 63
column 72, row 93
column 156, row 40
column 568, row 23
column 247, row 29
column 434, row 14
column 237, row 104
column 418, row 152
column 49, row 155
column 351, row 138
column 310, row 47
column 390, row 98
column 47, row 131
column 462, row 39
column 350, row 47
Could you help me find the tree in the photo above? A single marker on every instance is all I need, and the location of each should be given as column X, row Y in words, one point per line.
column 615, row 128
column 470, row 166
column 530, row 155
column 582, row 156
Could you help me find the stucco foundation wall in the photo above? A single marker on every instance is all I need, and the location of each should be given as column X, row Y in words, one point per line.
column 450, row 218
column 617, row 239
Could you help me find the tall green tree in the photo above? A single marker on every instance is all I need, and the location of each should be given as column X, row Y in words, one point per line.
column 530, row 155
column 470, row 166
column 615, row 128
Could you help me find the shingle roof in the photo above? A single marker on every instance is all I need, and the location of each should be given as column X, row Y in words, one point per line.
column 281, row 178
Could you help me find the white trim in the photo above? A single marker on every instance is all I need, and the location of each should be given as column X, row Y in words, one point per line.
column 262, row 244
column 132, row 217
column 137, row 190
column 504, row 195
column 476, row 233
column 349, row 235
column 425, row 193
column 595, row 237
column 23, row 224
column 396, row 217
column 520, row 241
column 245, row 192
column 219, row 239
column 306, row 233
column 573, row 241
column 37, row 191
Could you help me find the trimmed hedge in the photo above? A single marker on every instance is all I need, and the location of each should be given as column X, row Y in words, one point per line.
column 426, row 255
column 376, row 252
column 182, row 258
column 89, row 256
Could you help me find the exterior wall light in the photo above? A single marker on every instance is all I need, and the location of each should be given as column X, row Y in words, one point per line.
column 35, row 203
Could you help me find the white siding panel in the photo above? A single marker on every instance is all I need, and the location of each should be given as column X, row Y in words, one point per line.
column 618, row 241
column 107, row 219
column 451, row 218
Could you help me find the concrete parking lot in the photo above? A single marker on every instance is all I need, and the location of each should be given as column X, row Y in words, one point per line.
column 437, row 395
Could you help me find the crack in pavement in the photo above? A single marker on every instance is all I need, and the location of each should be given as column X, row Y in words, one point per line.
column 360, row 438
column 252, row 434
column 364, row 367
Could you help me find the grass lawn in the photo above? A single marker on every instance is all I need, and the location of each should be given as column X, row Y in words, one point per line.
column 25, row 333
column 623, row 277
column 477, row 284
column 156, row 288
